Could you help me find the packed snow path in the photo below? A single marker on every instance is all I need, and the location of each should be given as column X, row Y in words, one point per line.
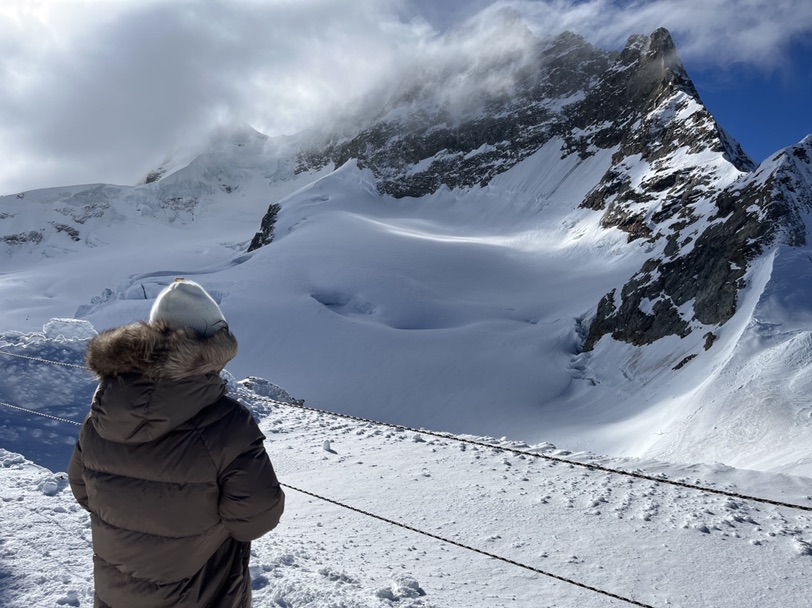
column 657, row 544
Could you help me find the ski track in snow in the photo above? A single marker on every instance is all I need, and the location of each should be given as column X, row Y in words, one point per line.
column 657, row 544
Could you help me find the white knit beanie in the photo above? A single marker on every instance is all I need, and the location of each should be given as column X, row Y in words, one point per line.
column 186, row 304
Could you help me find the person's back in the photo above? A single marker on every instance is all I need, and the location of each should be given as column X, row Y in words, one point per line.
column 173, row 472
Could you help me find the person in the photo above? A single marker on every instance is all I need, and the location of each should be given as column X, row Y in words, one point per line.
column 173, row 472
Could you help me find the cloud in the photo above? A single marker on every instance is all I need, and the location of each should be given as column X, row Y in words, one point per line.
column 102, row 90
column 710, row 33
column 89, row 93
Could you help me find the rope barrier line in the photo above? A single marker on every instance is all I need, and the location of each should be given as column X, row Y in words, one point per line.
column 37, row 359
column 43, row 414
column 586, row 465
column 469, row 548
column 450, row 437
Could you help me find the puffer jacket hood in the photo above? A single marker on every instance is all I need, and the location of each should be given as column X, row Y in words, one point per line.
column 154, row 379
column 157, row 352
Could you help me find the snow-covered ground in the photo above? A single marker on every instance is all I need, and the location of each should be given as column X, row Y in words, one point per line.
column 656, row 544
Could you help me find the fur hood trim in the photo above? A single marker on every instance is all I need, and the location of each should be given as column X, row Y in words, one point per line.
column 158, row 353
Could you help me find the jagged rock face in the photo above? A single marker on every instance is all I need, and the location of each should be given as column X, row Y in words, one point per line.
column 671, row 293
column 415, row 152
column 265, row 234
column 593, row 99
column 677, row 183
column 697, row 278
column 790, row 187
column 662, row 124
column 648, row 107
column 666, row 185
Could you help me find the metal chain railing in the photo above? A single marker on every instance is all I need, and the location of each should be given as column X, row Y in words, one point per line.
column 37, row 359
column 43, row 414
column 558, row 459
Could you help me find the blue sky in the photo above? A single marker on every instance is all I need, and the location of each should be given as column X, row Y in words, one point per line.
column 105, row 90
column 764, row 110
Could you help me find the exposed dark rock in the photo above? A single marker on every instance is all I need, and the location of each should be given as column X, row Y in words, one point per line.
column 154, row 176
column 179, row 208
column 635, row 104
column 704, row 281
column 417, row 154
column 84, row 206
column 179, row 203
column 265, row 234
column 703, row 221
column 33, row 236
column 685, row 361
column 72, row 232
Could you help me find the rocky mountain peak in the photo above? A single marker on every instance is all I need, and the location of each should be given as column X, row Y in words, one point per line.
column 677, row 184
column 711, row 232
column 557, row 87
column 658, row 69
column 658, row 46
column 675, row 181
column 420, row 145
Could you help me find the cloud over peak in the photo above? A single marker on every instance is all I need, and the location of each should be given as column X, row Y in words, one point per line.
column 102, row 90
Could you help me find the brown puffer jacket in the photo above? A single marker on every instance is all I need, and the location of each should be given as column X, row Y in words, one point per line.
column 173, row 472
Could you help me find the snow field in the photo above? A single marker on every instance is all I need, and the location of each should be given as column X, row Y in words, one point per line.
column 459, row 312
column 657, row 544
column 463, row 310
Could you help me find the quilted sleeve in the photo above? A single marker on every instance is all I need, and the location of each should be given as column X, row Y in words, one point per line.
column 251, row 500
column 76, row 478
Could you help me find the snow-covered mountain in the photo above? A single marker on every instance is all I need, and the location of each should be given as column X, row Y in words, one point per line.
column 556, row 244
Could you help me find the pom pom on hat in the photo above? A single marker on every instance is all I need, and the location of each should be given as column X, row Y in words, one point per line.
column 186, row 304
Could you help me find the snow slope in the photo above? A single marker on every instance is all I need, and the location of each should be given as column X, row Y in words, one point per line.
column 467, row 311
column 653, row 543
column 461, row 311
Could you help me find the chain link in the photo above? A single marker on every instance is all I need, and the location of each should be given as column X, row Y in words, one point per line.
column 37, row 359
column 43, row 414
